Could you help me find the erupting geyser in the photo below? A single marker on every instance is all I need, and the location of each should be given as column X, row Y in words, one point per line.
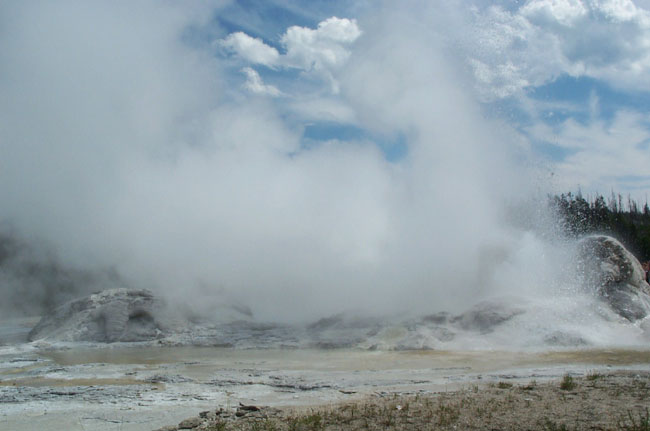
column 376, row 186
column 609, row 277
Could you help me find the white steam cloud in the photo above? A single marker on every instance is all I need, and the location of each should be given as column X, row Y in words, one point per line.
column 118, row 147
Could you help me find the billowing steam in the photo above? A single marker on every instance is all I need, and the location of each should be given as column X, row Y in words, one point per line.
column 123, row 145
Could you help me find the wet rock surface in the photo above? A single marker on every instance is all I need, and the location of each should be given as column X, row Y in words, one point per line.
column 145, row 388
column 615, row 275
column 122, row 315
column 605, row 269
column 190, row 423
column 564, row 339
column 212, row 419
column 485, row 316
column 111, row 315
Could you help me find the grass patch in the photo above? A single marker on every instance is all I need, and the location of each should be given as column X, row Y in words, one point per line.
column 265, row 425
column 530, row 386
column 312, row 422
column 632, row 423
column 593, row 376
column 550, row 425
column 447, row 414
column 568, row 384
column 548, row 407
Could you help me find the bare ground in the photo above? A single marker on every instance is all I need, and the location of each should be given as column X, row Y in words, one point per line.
column 612, row 401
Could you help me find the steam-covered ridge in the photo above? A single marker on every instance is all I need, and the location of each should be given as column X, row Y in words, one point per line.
column 33, row 280
column 600, row 298
column 571, row 291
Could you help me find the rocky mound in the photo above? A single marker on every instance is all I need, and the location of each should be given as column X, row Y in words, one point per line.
column 485, row 316
column 606, row 267
column 108, row 316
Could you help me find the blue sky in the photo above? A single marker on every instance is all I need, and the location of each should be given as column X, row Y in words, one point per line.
column 567, row 75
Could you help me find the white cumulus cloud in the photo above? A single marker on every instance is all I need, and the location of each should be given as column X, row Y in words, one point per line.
column 250, row 49
column 318, row 51
column 320, row 48
column 564, row 12
column 255, row 85
column 606, row 39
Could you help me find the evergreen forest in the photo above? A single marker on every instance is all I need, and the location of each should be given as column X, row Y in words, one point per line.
column 617, row 216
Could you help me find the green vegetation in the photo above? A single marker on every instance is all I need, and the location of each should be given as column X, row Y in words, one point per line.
column 265, row 425
column 607, row 402
column 550, row 425
column 632, row 423
column 593, row 376
column 622, row 218
column 312, row 422
column 567, row 384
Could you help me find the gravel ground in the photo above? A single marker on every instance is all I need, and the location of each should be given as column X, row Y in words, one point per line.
column 608, row 401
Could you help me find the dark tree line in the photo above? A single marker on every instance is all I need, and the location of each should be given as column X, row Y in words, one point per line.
column 618, row 216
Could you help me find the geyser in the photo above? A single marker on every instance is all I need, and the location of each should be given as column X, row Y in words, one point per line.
column 149, row 161
column 149, row 167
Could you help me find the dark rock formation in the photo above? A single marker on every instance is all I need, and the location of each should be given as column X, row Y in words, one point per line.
column 485, row 316
column 564, row 339
column 108, row 316
column 342, row 330
column 615, row 275
column 190, row 423
column 439, row 318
